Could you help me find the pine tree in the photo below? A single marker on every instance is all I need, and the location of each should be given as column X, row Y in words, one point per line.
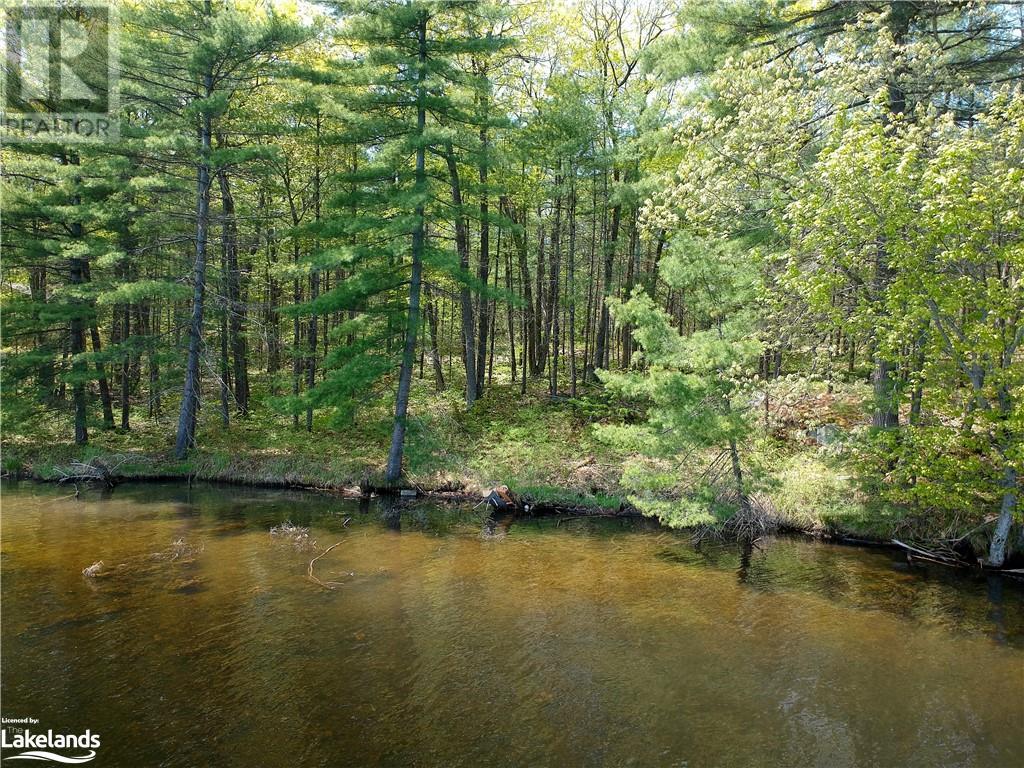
column 194, row 60
column 694, row 384
column 397, row 103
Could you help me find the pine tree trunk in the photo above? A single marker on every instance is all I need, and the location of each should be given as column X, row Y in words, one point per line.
column 571, row 283
column 77, row 334
column 126, row 369
column 314, row 285
column 190, row 393
column 77, row 329
column 509, row 312
column 394, row 466
column 465, row 297
column 603, row 342
column 235, row 306
column 106, row 401
column 435, row 356
column 484, row 320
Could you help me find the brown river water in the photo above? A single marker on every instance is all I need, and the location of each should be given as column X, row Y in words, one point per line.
column 202, row 641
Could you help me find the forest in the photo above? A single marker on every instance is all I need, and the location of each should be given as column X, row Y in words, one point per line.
column 731, row 263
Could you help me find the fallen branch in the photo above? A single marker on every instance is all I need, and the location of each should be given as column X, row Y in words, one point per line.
column 312, row 576
column 924, row 552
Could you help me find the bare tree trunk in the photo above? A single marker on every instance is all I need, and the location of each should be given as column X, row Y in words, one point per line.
column 78, row 369
column 510, row 314
column 603, row 343
column 233, row 290
column 485, row 258
column 106, row 400
column 570, row 284
column 435, row 356
column 465, row 298
column 997, row 548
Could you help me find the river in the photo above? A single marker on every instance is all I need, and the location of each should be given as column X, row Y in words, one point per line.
column 202, row 641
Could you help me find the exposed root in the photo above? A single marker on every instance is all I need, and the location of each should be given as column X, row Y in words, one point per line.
column 753, row 520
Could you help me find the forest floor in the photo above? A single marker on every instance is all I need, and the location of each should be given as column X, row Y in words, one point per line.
column 543, row 448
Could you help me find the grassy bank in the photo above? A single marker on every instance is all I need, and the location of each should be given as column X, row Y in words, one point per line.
column 543, row 448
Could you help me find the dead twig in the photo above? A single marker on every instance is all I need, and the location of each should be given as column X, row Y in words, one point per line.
column 312, row 576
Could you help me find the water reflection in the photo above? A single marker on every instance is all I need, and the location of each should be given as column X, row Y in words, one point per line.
column 474, row 640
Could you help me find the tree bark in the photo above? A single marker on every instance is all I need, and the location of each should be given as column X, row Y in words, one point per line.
column 190, row 394
column 465, row 297
column 485, row 253
column 394, row 466
column 601, row 345
column 435, row 357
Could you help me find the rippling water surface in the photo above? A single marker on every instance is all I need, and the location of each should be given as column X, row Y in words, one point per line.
column 202, row 642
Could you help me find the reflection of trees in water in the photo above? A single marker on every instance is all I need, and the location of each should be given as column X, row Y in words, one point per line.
column 865, row 579
column 391, row 513
column 996, row 612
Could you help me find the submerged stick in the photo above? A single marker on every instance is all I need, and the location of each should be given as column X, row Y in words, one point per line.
column 312, row 576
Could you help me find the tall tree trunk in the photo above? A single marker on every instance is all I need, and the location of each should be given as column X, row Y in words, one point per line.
column 78, row 369
column 296, row 333
column 106, row 401
column 552, row 333
column 190, row 394
column 570, row 286
column 602, row 344
column 126, row 368
column 435, row 356
column 314, row 283
column 76, row 324
column 485, row 253
column 542, row 326
column 394, row 466
column 272, row 317
column 465, row 297
column 509, row 312
column 235, row 305
column 886, row 408
column 518, row 231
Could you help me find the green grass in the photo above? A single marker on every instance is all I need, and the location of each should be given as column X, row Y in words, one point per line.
column 543, row 449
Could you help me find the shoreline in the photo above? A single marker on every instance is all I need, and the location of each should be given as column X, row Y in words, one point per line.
column 561, row 504
column 111, row 469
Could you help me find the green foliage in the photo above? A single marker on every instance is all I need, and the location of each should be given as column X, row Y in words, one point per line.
column 696, row 384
